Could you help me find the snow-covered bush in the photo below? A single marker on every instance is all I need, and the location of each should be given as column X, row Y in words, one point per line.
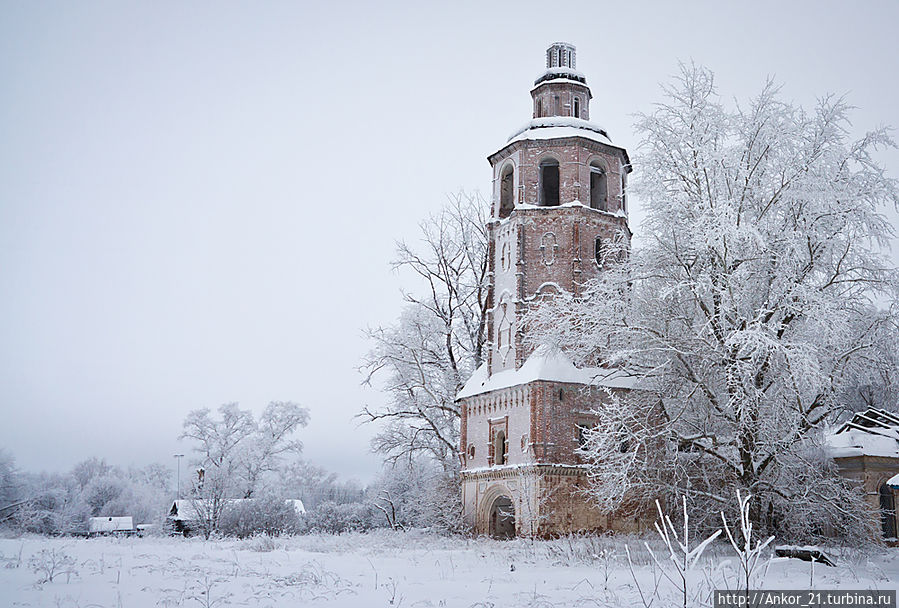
column 418, row 494
column 50, row 563
column 336, row 518
column 271, row 515
column 56, row 507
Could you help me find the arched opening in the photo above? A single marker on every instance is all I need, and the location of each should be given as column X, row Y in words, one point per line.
column 577, row 108
column 506, row 191
column 597, row 251
column 887, row 512
column 499, row 448
column 599, row 187
column 502, row 518
column 549, row 183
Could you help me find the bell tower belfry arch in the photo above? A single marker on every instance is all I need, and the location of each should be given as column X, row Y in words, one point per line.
column 559, row 195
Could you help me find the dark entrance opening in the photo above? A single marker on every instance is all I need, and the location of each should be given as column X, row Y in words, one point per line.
column 502, row 518
column 549, row 183
column 887, row 512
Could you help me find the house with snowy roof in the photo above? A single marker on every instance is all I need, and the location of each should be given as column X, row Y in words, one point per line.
column 111, row 526
column 866, row 450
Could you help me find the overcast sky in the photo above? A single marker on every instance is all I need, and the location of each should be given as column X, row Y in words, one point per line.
column 199, row 201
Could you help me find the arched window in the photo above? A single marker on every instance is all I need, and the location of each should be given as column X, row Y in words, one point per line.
column 599, row 188
column 549, row 183
column 887, row 512
column 539, row 108
column 577, row 108
column 506, row 191
column 499, row 448
column 597, row 251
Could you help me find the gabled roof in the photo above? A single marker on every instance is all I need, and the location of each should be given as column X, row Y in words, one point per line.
column 874, row 432
column 111, row 524
column 545, row 364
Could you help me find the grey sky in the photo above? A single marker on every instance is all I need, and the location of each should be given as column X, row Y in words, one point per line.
column 198, row 201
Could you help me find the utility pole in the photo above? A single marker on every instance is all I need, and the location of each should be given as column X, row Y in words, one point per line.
column 178, row 458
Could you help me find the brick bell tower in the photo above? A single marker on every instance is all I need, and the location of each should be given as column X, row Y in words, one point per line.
column 558, row 199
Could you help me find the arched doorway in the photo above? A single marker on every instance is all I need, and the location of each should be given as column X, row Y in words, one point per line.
column 502, row 518
column 887, row 512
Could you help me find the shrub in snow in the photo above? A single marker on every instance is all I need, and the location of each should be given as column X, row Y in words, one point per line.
column 50, row 563
column 336, row 518
column 57, row 509
column 748, row 553
column 418, row 494
column 269, row 515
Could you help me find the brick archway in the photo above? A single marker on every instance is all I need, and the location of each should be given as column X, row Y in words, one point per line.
column 496, row 515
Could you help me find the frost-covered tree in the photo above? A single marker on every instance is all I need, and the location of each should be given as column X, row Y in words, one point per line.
column 10, row 486
column 417, row 494
column 752, row 311
column 424, row 358
column 314, row 485
column 237, row 450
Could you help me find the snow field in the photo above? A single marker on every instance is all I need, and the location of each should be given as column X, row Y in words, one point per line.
column 390, row 569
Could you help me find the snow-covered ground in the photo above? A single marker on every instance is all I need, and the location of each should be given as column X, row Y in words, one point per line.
column 384, row 568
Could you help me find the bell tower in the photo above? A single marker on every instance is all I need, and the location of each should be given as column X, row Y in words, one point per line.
column 559, row 203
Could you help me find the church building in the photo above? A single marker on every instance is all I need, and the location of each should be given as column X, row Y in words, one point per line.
column 559, row 197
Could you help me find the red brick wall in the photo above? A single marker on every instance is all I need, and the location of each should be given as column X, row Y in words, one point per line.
column 546, row 93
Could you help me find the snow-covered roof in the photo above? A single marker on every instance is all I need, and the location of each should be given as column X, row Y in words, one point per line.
column 874, row 432
column 561, row 72
column 545, row 364
column 526, row 465
column 111, row 524
column 553, row 127
column 561, row 80
column 893, row 481
column 574, row 203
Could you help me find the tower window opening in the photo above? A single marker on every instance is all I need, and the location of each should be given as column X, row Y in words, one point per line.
column 597, row 251
column 506, row 192
column 599, row 188
column 539, row 108
column 577, row 108
column 499, row 448
column 549, row 183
